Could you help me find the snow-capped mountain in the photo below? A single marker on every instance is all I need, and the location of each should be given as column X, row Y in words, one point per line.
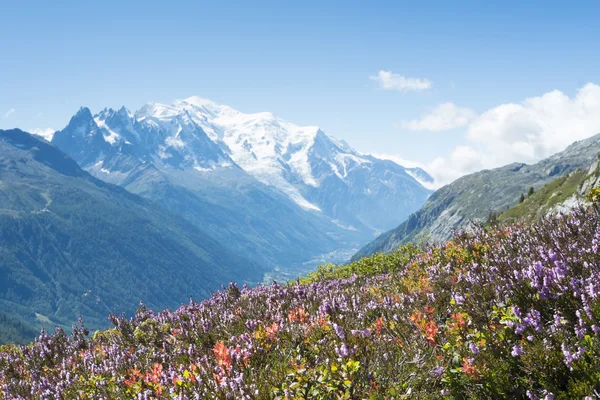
column 251, row 174
column 177, row 142
column 316, row 171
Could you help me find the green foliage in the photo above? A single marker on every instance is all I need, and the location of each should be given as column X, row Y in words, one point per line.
column 379, row 263
column 13, row 330
column 594, row 196
column 492, row 219
column 72, row 245
column 544, row 199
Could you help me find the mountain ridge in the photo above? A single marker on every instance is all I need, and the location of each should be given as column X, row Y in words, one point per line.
column 475, row 196
column 319, row 190
column 73, row 244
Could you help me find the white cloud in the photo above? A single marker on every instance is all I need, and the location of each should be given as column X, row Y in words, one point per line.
column 9, row 113
column 387, row 80
column 444, row 117
column 522, row 132
column 47, row 133
column 461, row 161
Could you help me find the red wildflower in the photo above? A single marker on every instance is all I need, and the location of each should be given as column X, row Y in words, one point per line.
column 298, row 315
column 272, row 330
column 469, row 369
column 431, row 329
column 429, row 310
column 379, row 326
column 218, row 379
column 222, row 355
column 154, row 374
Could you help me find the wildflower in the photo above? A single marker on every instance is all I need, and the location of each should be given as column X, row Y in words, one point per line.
column 517, row 311
column 431, row 329
column 272, row 330
column 344, row 350
column 298, row 315
column 531, row 395
column 516, row 351
column 469, row 368
column 459, row 298
column 339, row 331
column 473, row 347
column 222, row 355
column 569, row 356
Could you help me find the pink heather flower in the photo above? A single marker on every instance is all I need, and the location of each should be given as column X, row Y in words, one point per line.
column 473, row 347
column 516, row 351
column 549, row 396
column 339, row 331
column 531, row 395
column 459, row 298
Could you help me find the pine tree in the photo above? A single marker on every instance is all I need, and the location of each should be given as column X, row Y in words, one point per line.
column 522, row 199
column 530, row 192
column 492, row 219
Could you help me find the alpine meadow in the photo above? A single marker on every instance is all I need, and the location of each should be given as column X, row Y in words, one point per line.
column 266, row 200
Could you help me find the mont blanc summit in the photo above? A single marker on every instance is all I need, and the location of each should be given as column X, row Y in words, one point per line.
column 199, row 146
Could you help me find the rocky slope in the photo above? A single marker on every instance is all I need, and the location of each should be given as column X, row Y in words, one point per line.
column 562, row 195
column 474, row 197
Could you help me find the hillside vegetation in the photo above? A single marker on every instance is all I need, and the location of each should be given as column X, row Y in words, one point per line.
column 13, row 330
column 560, row 195
column 73, row 245
column 509, row 312
column 545, row 199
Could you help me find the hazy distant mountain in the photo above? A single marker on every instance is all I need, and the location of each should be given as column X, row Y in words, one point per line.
column 275, row 191
column 315, row 170
column 72, row 244
column 474, row 196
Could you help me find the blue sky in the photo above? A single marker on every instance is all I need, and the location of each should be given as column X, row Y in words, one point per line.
column 311, row 63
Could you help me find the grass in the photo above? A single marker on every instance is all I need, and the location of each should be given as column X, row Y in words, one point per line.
column 545, row 199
